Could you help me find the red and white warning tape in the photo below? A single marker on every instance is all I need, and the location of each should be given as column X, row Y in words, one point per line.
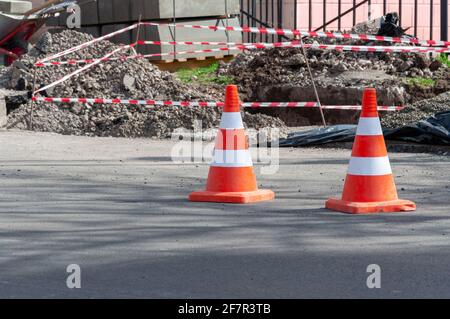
column 290, row 32
column 206, row 104
column 141, row 42
column 313, row 105
column 121, row 101
column 362, row 48
column 292, row 44
column 296, row 44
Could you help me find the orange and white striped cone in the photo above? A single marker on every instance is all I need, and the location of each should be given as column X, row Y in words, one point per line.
column 370, row 186
column 231, row 177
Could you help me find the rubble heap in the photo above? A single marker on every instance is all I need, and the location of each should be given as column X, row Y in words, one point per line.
column 330, row 68
column 129, row 79
column 417, row 111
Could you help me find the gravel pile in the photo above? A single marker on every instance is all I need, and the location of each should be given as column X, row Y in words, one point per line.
column 3, row 77
column 330, row 68
column 131, row 79
column 418, row 111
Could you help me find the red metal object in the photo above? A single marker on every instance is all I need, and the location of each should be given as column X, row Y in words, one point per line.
column 22, row 33
column 9, row 54
column 15, row 53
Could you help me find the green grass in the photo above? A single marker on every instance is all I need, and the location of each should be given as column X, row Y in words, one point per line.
column 421, row 81
column 427, row 82
column 443, row 58
column 203, row 75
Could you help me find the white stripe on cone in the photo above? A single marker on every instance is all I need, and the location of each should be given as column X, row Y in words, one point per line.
column 369, row 166
column 369, row 126
column 231, row 120
column 232, row 158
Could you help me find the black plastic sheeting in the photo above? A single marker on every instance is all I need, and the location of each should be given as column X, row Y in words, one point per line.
column 323, row 135
column 433, row 131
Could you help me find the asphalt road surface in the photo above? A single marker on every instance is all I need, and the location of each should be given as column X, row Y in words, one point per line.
column 118, row 208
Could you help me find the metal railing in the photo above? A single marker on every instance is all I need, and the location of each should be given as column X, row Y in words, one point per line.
column 276, row 13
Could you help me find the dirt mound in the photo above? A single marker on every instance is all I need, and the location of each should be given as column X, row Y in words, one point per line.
column 418, row 111
column 278, row 67
column 129, row 79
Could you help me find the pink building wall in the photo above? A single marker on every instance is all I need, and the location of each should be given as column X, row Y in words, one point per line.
column 423, row 18
column 376, row 8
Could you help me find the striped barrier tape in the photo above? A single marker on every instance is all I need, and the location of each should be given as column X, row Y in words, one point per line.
column 313, row 105
column 208, row 104
column 292, row 44
column 122, row 101
column 303, row 33
column 142, row 42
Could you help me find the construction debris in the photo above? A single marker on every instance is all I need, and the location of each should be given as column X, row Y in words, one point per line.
column 255, row 70
column 390, row 26
column 417, row 111
column 130, row 79
column 258, row 73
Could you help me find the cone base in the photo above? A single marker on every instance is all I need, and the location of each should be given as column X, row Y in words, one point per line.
column 232, row 197
column 370, row 207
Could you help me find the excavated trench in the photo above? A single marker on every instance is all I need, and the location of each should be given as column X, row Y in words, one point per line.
column 295, row 117
column 282, row 75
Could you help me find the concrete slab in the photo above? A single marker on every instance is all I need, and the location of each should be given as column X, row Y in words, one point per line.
column 89, row 16
column 196, row 8
column 164, row 33
column 15, row 6
column 119, row 11
column 118, row 208
column 89, row 13
column 124, row 37
column 106, row 11
column 140, row 8
column 128, row 11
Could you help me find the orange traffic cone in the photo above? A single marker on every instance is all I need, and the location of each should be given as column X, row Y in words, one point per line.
column 231, row 178
column 370, row 186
